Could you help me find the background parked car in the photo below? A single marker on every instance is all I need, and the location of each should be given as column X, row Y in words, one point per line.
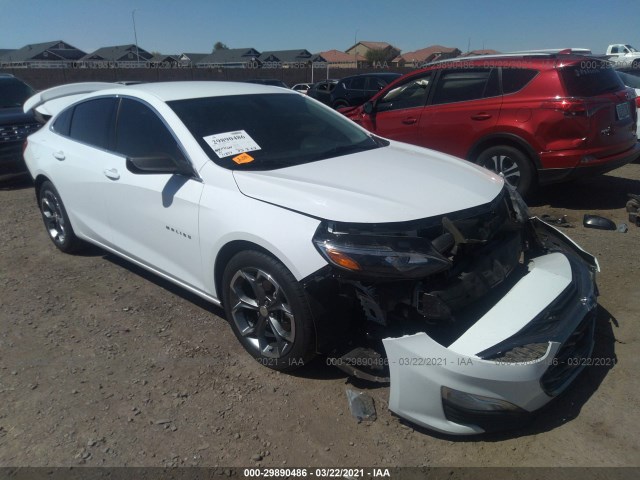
column 15, row 125
column 274, row 82
column 532, row 118
column 301, row 87
column 353, row 91
column 321, row 91
column 632, row 80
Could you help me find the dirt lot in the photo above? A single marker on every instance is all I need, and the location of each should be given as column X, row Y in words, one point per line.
column 104, row 364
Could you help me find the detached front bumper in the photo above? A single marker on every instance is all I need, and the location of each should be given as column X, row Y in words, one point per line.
column 458, row 390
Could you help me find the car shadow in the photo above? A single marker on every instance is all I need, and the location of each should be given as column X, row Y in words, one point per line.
column 155, row 279
column 16, row 181
column 604, row 192
column 566, row 407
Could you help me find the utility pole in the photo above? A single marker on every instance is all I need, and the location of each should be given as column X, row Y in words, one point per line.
column 135, row 34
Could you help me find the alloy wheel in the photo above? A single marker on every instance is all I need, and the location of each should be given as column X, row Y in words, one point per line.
column 261, row 312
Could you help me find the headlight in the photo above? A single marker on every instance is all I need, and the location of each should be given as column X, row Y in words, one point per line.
column 476, row 403
column 380, row 256
column 519, row 205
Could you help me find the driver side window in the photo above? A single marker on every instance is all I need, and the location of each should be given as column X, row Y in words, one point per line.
column 141, row 133
column 411, row 94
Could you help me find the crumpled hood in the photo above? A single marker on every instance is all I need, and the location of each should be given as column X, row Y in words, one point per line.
column 389, row 184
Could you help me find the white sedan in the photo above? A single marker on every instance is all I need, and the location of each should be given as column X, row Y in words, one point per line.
column 404, row 265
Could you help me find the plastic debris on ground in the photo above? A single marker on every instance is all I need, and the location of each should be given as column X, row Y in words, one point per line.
column 361, row 406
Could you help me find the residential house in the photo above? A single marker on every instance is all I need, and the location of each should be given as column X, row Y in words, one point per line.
column 165, row 61
column 117, row 56
column 231, row 58
column 289, row 59
column 363, row 48
column 338, row 59
column 420, row 57
column 190, row 59
column 57, row 54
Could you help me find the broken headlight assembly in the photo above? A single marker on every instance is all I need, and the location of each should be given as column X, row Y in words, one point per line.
column 379, row 256
column 519, row 206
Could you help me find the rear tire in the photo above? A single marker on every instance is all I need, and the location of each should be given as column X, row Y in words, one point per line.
column 268, row 311
column 56, row 220
column 512, row 164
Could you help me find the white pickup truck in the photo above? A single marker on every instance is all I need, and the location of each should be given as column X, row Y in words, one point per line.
column 623, row 56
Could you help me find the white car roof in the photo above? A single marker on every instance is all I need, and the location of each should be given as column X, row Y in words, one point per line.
column 168, row 91
column 164, row 91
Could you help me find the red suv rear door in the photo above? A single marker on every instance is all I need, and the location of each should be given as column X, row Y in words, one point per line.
column 464, row 107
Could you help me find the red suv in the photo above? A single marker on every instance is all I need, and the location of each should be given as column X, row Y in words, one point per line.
column 536, row 119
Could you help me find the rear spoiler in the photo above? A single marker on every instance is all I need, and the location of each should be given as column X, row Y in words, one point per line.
column 44, row 102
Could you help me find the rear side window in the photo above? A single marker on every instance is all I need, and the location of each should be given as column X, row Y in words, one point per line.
column 92, row 122
column 62, row 123
column 590, row 78
column 514, row 79
column 464, row 85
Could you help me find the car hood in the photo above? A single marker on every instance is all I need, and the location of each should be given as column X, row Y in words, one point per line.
column 15, row 116
column 389, row 184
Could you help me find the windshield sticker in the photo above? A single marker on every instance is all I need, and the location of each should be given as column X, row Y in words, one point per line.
column 243, row 158
column 231, row 143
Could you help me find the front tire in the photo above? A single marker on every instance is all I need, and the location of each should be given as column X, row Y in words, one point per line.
column 56, row 220
column 268, row 311
column 512, row 164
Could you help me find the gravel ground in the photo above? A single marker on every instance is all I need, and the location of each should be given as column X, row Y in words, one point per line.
column 103, row 364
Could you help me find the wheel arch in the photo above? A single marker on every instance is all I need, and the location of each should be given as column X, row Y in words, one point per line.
column 507, row 139
column 226, row 253
column 37, row 183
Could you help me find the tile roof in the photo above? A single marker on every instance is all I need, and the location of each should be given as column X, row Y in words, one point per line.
column 424, row 54
column 118, row 52
column 229, row 55
column 336, row 56
column 31, row 51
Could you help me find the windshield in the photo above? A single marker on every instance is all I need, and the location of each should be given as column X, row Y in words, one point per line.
column 630, row 48
column 13, row 92
column 269, row 131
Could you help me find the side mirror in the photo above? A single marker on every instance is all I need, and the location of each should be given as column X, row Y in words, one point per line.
column 368, row 108
column 158, row 164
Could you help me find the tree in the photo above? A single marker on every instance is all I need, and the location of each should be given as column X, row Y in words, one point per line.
column 220, row 46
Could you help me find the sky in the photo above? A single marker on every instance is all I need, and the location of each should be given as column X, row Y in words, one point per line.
column 194, row 26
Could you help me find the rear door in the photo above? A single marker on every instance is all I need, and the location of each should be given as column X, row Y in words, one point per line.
column 464, row 106
column 398, row 112
column 81, row 160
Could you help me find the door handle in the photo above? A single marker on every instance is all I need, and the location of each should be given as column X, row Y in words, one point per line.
column 59, row 155
column 409, row 121
column 481, row 116
column 112, row 173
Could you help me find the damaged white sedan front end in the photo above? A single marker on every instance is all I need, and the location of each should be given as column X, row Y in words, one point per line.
column 496, row 321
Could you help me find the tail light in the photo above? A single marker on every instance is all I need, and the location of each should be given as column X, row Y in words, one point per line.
column 637, row 102
column 570, row 106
